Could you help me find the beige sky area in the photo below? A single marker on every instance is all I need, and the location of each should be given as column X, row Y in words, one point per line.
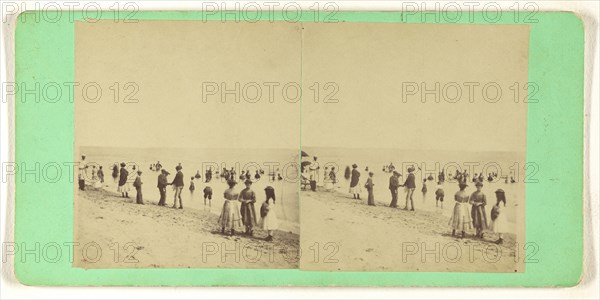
column 180, row 71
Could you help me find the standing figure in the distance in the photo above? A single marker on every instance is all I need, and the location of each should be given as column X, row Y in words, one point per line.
column 94, row 177
column 268, row 216
column 478, row 215
column 101, row 174
column 393, row 186
column 498, row 222
column 208, row 195
column 410, row 186
column 354, row 186
column 248, row 198
column 424, row 189
column 178, row 187
column 461, row 219
column 123, row 184
column 230, row 219
column 138, row 188
column 162, row 186
column 115, row 173
column 439, row 195
column 369, row 186
column 192, row 186
column 332, row 175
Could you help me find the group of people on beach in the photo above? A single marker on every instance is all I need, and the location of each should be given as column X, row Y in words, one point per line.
column 238, row 210
column 469, row 211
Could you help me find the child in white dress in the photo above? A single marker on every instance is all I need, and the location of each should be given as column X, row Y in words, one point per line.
column 268, row 216
column 498, row 220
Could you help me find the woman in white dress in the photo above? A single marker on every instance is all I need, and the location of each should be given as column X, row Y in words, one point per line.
column 498, row 220
column 268, row 216
column 231, row 218
column 461, row 216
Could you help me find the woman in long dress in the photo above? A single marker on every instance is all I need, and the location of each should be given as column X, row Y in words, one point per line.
column 230, row 218
column 498, row 222
column 461, row 217
column 369, row 186
column 478, row 215
column 268, row 216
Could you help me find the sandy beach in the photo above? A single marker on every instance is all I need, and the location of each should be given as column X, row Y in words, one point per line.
column 149, row 236
column 364, row 238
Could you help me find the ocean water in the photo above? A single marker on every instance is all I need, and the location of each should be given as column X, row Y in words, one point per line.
column 283, row 161
column 430, row 162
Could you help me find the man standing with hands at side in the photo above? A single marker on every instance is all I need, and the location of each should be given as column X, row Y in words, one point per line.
column 178, row 186
column 410, row 186
column 394, row 184
column 162, row 186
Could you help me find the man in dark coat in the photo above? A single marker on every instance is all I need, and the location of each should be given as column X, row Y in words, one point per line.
column 138, row 188
column 394, row 184
column 162, row 186
column 354, row 187
column 178, row 183
column 123, row 186
column 410, row 186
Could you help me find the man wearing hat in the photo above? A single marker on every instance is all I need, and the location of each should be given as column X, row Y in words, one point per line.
column 162, row 186
column 178, row 187
column 394, row 184
column 410, row 186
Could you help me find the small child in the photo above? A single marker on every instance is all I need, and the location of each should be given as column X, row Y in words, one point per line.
column 268, row 216
column 138, row 188
column 192, row 187
column 424, row 189
column 332, row 175
column 208, row 195
column 439, row 195
column 498, row 222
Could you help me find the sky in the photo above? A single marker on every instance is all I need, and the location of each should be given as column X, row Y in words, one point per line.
column 375, row 73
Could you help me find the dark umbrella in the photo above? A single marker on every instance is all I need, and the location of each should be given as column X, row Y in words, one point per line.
column 303, row 165
column 304, row 154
